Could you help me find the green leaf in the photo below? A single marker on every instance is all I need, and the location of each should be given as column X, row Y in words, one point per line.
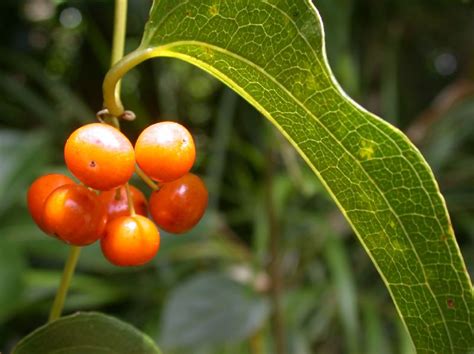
column 211, row 309
column 86, row 333
column 272, row 53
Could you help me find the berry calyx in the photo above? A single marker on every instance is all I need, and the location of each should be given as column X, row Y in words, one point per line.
column 165, row 151
column 130, row 241
column 117, row 202
column 179, row 205
column 39, row 191
column 100, row 156
column 75, row 215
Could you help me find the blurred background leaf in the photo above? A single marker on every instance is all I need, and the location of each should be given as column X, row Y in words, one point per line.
column 210, row 309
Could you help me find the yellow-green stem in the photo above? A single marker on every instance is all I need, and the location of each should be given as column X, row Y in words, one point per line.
column 146, row 179
column 131, row 207
column 111, row 87
column 120, row 25
column 68, row 272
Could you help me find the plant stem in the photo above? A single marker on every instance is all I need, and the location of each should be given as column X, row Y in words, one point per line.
column 146, row 179
column 68, row 272
column 120, row 25
column 110, row 86
column 131, row 207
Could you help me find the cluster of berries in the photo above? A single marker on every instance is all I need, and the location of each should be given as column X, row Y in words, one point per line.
column 103, row 159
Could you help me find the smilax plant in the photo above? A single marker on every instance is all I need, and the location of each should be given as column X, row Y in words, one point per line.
column 272, row 53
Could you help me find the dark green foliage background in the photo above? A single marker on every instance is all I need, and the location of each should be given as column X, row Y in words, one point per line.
column 410, row 61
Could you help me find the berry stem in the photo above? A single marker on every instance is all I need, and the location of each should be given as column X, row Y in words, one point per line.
column 68, row 272
column 131, row 207
column 146, row 179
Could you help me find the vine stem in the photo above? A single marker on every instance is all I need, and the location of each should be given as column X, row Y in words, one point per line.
column 68, row 272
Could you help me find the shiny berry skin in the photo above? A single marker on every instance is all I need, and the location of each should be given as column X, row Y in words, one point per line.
column 100, row 156
column 130, row 241
column 75, row 215
column 165, row 151
column 179, row 205
column 119, row 206
column 39, row 191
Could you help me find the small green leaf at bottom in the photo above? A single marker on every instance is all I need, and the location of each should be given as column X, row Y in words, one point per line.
column 86, row 333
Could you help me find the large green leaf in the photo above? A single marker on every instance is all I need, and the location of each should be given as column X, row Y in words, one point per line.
column 86, row 333
column 272, row 53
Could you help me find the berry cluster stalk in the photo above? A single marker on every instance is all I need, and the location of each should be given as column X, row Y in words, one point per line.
column 68, row 272
column 118, row 44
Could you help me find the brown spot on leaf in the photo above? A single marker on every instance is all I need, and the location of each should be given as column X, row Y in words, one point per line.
column 450, row 303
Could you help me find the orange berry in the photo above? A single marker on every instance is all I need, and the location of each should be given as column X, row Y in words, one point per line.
column 179, row 205
column 117, row 204
column 130, row 241
column 75, row 215
column 39, row 191
column 100, row 156
column 165, row 151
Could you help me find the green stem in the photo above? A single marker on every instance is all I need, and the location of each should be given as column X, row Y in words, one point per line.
column 131, row 207
column 146, row 179
column 68, row 272
column 111, row 87
column 120, row 25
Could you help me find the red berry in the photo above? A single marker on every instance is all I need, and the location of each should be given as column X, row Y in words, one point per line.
column 39, row 191
column 179, row 205
column 100, row 156
column 165, row 151
column 75, row 215
column 130, row 241
column 117, row 204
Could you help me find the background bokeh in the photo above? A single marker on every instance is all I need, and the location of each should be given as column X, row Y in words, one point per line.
column 273, row 264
